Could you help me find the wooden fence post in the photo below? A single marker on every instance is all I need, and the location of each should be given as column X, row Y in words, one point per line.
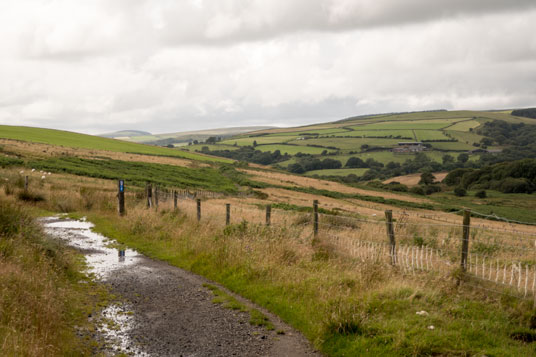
column 120, row 196
column 268, row 214
column 465, row 238
column 26, row 183
column 315, row 218
column 391, row 235
column 227, row 214
column 198, row 209
column 149, row 190
column 175, row 197
column 156, row 197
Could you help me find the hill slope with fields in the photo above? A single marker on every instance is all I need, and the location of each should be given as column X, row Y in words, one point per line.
column 185, row 137
column 376, row 140
column 338, row 286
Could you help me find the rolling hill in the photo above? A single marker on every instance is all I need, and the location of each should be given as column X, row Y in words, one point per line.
column 82, row 141
column 378, row 137
column 125, row 134
column 184, row 136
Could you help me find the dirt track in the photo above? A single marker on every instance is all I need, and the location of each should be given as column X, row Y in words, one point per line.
column 166, row 311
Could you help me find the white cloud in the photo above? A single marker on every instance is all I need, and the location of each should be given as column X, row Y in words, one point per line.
column 164, row 66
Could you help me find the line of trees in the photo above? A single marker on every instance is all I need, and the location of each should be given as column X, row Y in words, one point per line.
column 528, row 113
column 507, row 177
column 249, row 154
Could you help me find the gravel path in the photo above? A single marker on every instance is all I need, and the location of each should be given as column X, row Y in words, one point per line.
column 166, row 311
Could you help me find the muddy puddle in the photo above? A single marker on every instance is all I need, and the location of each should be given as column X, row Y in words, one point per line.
column 104, row 258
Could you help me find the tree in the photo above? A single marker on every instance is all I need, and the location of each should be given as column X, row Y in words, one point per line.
column 211, row 140
column 427, row 178
column 447, row 159
column 455, row 176
column 460, row 191
column 481, row 194
column 296, row 168
column 331, row 164
column 355, row 162
column 463, row 158
column 486, row 141
column 254, row 143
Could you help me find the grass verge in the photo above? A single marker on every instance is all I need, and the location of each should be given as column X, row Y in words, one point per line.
column 345, row 307
column 45, row 300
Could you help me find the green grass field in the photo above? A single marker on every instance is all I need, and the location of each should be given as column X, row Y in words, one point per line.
column 76, row 140
column 312, row 131
column 413, row 124
column 350, row 144
column 467, row 137
column 198, row 147
column 337, row 172
column 460, row 146
column 424, row 135
column 292, row 149
column 259, row 139
column 385, row 157
column 403, row 134
column 138, row 173
column 464, row 125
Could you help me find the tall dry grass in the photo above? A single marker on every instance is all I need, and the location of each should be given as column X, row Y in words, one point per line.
column 40, row 300
column 322, row 285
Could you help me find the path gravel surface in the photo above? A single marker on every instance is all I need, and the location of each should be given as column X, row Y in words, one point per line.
column 167, row 311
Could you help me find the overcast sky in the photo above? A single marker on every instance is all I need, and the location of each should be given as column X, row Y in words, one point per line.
column 174, row 65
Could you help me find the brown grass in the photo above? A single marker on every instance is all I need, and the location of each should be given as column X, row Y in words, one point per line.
column 413, row 179
column 40, row 295
column 278, row 178
column 28, row 149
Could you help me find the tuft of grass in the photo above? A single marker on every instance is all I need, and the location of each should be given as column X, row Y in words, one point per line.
column 28, row 196
column 257, row 318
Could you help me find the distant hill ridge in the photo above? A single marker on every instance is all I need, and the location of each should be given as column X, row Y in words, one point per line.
column 188, row 136
column 124, row 133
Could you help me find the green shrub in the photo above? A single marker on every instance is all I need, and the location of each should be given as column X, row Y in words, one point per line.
column 417, row 190
column 429, row 189
column 12, row 219
column 481, row 194
column 28, row 196
column 460, row 191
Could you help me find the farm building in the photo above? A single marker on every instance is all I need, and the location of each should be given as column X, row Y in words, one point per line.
column 409, row 147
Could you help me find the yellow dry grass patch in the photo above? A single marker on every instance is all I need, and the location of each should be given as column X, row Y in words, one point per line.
column 278, row 178
column 413, row 179
column 28, row 149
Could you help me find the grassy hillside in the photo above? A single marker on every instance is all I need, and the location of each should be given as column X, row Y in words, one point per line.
column 330, row 287
column 76, row 140
column 443, row 132
column 188, row 136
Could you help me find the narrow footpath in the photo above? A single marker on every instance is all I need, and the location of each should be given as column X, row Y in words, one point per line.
column 167, row 311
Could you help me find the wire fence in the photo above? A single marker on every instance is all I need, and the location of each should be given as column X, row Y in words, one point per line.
column 500, row 258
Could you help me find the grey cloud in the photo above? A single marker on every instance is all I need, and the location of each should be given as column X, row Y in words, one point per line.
column 69, row 33
column 224, row 22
